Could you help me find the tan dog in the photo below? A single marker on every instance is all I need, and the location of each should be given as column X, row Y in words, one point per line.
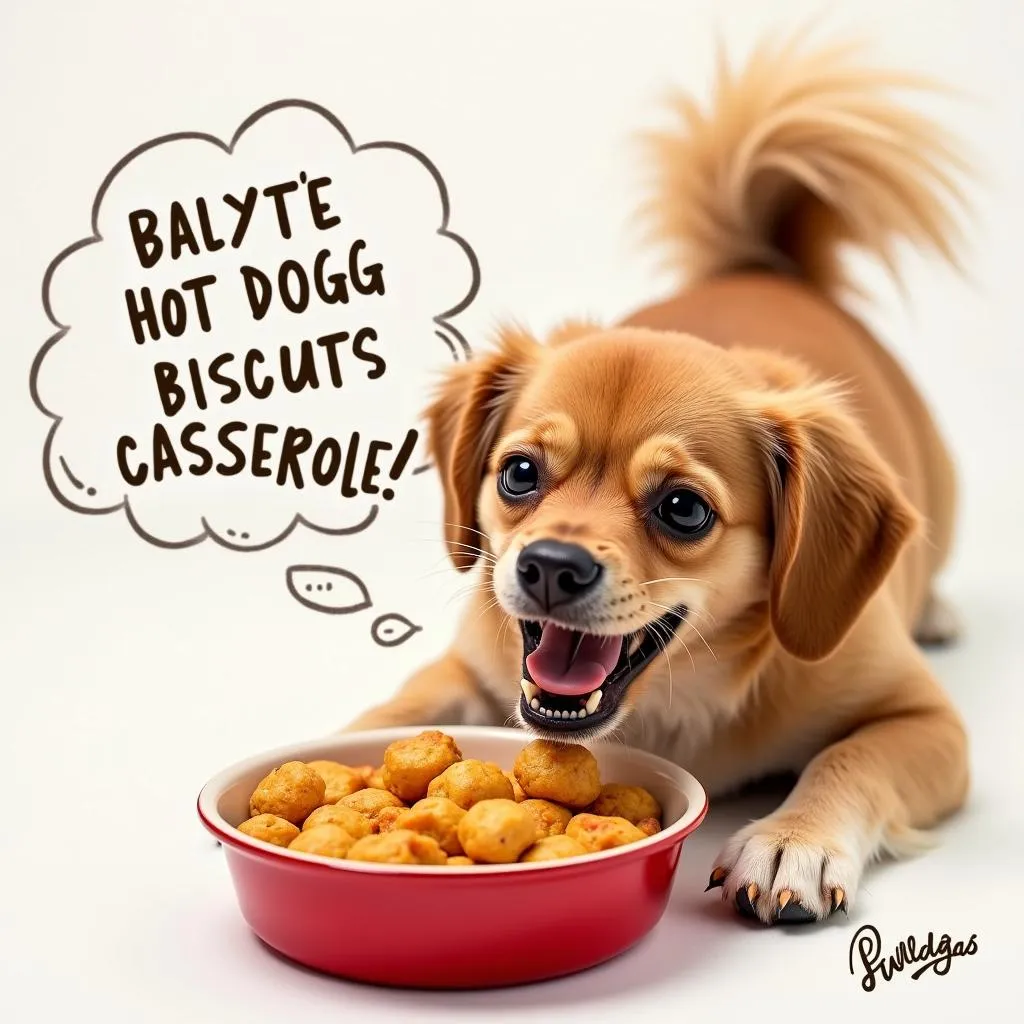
column 696, row 540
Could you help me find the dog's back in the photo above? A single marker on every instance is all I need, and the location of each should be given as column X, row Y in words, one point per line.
column 799, row 155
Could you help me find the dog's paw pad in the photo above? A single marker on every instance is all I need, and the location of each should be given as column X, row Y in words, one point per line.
column 746, row 899
column 791, row 910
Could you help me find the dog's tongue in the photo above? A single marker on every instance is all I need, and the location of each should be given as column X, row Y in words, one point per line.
column 550, row 668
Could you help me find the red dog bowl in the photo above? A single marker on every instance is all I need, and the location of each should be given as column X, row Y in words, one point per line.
column 459, row 927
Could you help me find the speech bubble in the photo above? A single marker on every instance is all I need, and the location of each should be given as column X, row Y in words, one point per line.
column 244, row 341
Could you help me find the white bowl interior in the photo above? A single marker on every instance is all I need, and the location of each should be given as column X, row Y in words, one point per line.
column 682, row 798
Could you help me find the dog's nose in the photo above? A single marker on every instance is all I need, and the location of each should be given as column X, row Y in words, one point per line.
column 553, row 573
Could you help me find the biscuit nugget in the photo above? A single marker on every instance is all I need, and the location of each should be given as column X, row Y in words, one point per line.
column 563, row 773
column 399, row 846
column 341, row 780
column 649, row 826
column 497, row 831
column 354, row 823
column 269, row 828
column 633, row 803
column 460, row 862
column 551, row 818
column 411, row 764
column 437, row 817
column 370, row 802
column 595, row 833
column 323, row 840
column 375, row 780
column 292, row 792
column 468, row 782
column 553, row 848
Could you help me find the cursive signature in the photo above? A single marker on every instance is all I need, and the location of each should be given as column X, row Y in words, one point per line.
column 935, row 955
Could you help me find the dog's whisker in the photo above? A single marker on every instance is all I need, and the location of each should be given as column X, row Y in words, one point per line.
column 693, row 625
column 673, row 579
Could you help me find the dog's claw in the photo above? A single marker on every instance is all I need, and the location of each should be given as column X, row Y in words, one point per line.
column 784, row 897
column 793, row 912
column 839, row 902
column 745, row 901
column 717, row 879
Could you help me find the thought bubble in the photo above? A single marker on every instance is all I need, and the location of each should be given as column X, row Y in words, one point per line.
column 244, row 342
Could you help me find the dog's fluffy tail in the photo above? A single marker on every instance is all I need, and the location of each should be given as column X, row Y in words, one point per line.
column 801, row 153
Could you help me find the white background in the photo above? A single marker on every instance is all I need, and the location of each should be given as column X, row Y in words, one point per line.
column 131, row 674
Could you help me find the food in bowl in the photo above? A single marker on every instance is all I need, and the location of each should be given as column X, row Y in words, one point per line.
column 462, row 808
column 325, row 912
column 468, row 782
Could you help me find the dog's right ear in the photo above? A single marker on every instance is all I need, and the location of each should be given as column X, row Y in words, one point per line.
column 463, row 422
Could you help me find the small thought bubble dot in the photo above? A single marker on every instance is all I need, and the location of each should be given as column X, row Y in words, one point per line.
column 387, row 494
column 231, row 533
column 91, row 491
column 245, row 536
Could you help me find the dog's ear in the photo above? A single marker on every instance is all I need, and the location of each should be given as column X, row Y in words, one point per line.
column 839, row 519
column 463, row 421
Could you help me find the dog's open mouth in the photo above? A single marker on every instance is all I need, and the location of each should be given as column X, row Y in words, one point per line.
column 576, row 680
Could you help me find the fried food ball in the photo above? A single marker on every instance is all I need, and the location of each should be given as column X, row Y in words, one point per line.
column 399, row 846
column 375, row 780
column 411, row 764
column 324, row 840
column 435, row 816
column 468, row 782
column 551, row 818
column 370, row 802
column 354, row 823
column 517, row 791
column 292, row 792
column 563, row 773
column 269, row 828
column 387, row 816
column 460, row 862
column 365, row 772
column 497, row 831
column 633, row 803
column 595, row 833
column 649, row 826
column 341, row 780
column 553, row 848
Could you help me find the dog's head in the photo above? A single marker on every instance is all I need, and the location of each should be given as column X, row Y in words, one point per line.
column 627, row 486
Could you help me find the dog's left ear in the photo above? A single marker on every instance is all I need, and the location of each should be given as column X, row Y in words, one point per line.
column 840, row 519
column 463, row 422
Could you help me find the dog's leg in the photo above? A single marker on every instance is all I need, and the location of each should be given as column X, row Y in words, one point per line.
column 867, row 794
column 444, row 692
column 939, row 625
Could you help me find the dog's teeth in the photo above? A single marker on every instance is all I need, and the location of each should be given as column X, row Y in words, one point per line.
column 535, row 704
column 593, row 701
column 583, row 713
column 572, row 714
column 530, row 690
column 549, row 713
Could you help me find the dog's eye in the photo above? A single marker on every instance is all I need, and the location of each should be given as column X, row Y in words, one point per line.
column 518, row 476
column 685, row 514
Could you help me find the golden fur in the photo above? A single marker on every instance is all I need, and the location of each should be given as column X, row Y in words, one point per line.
column 835, row 494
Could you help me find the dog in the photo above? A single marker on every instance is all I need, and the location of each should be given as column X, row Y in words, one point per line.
column 714, row 529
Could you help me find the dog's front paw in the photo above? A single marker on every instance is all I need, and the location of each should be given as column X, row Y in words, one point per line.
column 777, row 870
